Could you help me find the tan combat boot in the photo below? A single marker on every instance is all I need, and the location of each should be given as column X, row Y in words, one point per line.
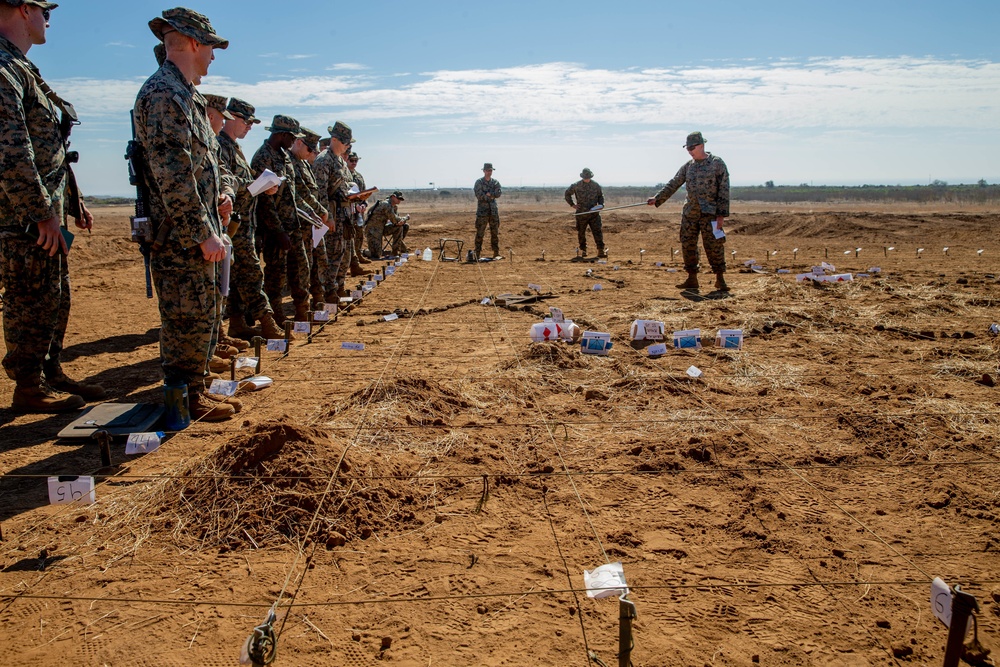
column 238, row 329
column 269, row 328
column 218, row 365
column 302, row 312
column 720, row 282
column 691, row 282
column 224, row 351
column 203, row 408
column 363, row 260
column 236, row 403
column 356, row 269
column 88, row 391
column 36, row 398
column 602, row 253
column 240, row 345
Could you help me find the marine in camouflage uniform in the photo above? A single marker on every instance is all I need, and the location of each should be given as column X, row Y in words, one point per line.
column 304, row 154
column 33, row 197
column 487, row 191
column 358, row 242
column 707, row 180
column 385, row 221
column 334, row 179
column 588, row 194
column 246, row 279
column 278, row 222
column 182, row 172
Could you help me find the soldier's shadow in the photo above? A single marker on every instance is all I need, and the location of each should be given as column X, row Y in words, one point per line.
column 697, row 297
column 115, row 344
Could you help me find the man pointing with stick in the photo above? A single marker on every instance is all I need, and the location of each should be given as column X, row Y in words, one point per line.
column 589, row 200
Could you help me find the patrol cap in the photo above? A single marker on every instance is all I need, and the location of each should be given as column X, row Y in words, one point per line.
column 353, row 156
column 285, row 124
column 586, row 173
column 398, row 194
column 488, row 166
column 309, row 138
column 189, row 23
column 36, row 3
column 244, row 110
column 341, row 132
column 694, row 139
column 218, row 102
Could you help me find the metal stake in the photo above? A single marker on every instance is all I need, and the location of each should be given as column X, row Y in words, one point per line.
column 626, row 614
column 257, row 342
column 232, row 369
column 962, row 606
column 104, row 442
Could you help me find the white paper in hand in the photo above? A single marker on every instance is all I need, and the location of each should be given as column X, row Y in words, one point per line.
column 606, row 581
column 267, row 180
column 718, row 231
column 318, row 234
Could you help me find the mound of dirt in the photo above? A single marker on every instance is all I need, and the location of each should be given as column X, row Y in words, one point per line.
column 270, row 484
column 406, row 399
column 557, row 354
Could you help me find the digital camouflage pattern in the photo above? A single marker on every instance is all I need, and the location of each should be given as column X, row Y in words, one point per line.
column 357, row 240
column 183, row 174
column 334, row 179
column 246, row 279
column 487, row 213
column 707, row 183
column 276, row 215
column 34, row 175
column 588, row 195
column 385, row 221
column 305, row 184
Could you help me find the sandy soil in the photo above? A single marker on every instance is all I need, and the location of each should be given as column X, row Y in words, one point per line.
column 433, row 499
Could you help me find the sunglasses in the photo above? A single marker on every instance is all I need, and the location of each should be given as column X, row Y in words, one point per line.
column 46, row 13
column 691, row 148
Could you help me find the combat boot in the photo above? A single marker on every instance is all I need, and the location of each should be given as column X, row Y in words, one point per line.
column 238, row 329
column 224, row 351
column 226, row 400
column 356, row 269
column 225, row 339
column 37, row 398
column 203, row 408
column 363, row 260
column 602, row 253
column 218, row 365
column 88, row 391
column 720, row 282
column 691, row 282
column 343, row 293
column 269, row 328
column 302, row 312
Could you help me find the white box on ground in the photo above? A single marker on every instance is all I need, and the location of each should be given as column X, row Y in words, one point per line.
column 257, row 382
column 687, row 339
column 596, row 342
column 730, row 339
column 647, row 330
column 71, row 489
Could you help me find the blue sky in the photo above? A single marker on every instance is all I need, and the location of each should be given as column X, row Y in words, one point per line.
column 849, row 92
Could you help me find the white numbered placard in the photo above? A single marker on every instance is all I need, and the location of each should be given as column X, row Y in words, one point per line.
column 223, row 387
column 356, row 294
column 71, row 489
column 357, row 347
column 247, row 362
column 391, row 317
column 143, row 443
column 330, row 308
column 277, row 345
column 321, row 316
column 301, row 327
column 657, row 350
column 557, row 314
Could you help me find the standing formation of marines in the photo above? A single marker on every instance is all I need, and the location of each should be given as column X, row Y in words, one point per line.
column 201, row 209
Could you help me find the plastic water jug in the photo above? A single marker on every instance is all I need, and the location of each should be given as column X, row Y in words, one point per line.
column 428, row 255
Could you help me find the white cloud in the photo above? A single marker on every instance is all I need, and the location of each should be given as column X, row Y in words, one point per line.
column 347, row 67
column 124, row 45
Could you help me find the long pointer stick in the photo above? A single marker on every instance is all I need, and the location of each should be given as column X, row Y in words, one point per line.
column 614, row 208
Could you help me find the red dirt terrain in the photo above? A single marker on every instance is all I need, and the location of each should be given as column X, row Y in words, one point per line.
column 435, row 498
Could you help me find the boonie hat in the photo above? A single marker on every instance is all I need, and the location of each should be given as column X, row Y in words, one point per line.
column 189, row 23
column 218, row 102
column 488, row 166
column 244, row 110
column 310, row 138
column 285, row 124
column 353, row 156
column 586, row 173
column 36, row 3
column 398, row 194
column 341, row 132
column 694, row 139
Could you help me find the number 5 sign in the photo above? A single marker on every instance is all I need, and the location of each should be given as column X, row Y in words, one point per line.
column 70, row 489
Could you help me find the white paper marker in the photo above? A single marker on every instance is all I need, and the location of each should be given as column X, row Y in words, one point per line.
column 598, row 287
column 143, row 443
column 533, row 286
column 694, row 372
column 223, row 387
column 391, row 317
column 302, row 327
column 657, row 350
column 318, row 233
column 70, row 489
column 605, row 581
column 321, row 316
column 277, row 345
column 247, row 362
column 357, row 347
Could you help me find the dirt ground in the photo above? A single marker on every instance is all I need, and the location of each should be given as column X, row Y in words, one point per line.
column 435, row 498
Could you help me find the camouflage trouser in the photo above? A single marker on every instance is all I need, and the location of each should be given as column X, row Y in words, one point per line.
column 35, row 309
column 279, row 264
column 335, row 254
column 594, row 222
column 377, row 231
column 693, row 225
column 484, row 218
column 319, row 266
column 187, row 288
column 359, row 240
column 246, row 279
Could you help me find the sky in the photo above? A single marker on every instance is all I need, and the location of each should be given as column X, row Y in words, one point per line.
column 820, row 92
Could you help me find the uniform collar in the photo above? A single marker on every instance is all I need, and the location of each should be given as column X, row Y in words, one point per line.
column 9, row 46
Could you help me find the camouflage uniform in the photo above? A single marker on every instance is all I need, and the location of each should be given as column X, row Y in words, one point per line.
column 183, row 175
column 385, row 213
column 333, row 177
column 588, row 195
column 35, row 172
column 358, row 240
column 305, row 184
column 487, row 214
column 246, row 279
column 273, row 216
column 707, row 184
